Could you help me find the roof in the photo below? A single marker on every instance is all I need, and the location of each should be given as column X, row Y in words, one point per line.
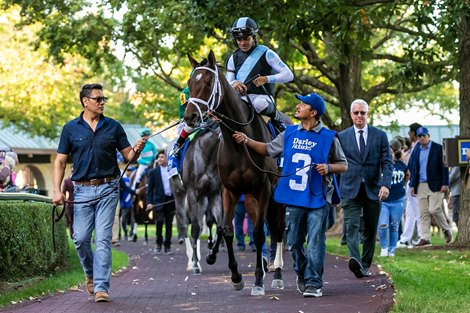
column 24, row 143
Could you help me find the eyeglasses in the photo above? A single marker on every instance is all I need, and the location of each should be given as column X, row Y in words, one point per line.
column 421, row 135
column 360, row 112
column 99, row 99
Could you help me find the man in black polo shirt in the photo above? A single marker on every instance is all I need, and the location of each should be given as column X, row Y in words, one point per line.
column 92, row 140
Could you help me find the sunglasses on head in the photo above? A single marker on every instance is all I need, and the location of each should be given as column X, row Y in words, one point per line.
column 360, row 112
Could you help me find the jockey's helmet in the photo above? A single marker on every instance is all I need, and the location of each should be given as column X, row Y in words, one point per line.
column 145, row 132
column 244, row 27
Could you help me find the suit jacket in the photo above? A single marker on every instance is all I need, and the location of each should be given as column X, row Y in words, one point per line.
column 155, row 191
column 375, row 169
column 437, row 174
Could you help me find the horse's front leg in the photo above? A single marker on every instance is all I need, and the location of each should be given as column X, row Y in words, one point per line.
column 275, row 220
column 229, row 201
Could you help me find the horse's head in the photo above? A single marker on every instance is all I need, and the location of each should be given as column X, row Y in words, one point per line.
column 204, row 90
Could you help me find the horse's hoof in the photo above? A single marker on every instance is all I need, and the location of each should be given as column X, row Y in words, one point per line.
column 134, row 238
column 196, row 271
column 239, row 286
column 277, row 284
column 257, row 291
column 211, row 258
column 180, row 241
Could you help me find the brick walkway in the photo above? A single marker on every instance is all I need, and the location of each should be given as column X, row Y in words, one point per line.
column 160, row 283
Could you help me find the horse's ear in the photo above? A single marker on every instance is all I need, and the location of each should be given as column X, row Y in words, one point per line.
column 193, row 61
column 211, row 58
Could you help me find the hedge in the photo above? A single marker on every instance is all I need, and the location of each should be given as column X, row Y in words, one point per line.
column 26, row 248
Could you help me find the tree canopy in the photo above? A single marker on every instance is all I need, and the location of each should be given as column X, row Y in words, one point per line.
column 384, row 52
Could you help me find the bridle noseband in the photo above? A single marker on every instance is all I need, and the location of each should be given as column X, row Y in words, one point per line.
column 216, row 94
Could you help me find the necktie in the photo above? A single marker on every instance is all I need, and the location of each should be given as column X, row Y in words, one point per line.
column 362, row 144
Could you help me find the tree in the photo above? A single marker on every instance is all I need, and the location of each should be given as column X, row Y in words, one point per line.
column 379, row 51
column 38, row 95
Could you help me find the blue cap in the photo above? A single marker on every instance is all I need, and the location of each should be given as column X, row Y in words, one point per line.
column 315, row 101
column 145, row 132
column 422, row 131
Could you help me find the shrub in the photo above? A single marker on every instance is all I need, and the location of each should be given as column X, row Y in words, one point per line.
column 25, row 240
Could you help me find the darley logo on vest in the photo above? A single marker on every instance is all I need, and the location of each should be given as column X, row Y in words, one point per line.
column 304, row 144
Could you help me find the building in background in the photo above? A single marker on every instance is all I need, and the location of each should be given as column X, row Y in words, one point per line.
column 37, row 154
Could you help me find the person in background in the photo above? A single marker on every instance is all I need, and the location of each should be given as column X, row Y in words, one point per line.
column 147, row 156
column 126, row 204
column 161, row 201
column 411, row 207
column 454, row 203
column 91, row 140
column 365, row 184
column 392, row 207
column 429, row 181
column 240, row 215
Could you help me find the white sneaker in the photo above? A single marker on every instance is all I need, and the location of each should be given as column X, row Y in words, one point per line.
column 391, row 254
column 384, row 252
column 312, row 292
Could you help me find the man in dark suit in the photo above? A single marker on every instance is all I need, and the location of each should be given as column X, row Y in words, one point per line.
column 366, row 182
column 160, row 199
column 430, row 181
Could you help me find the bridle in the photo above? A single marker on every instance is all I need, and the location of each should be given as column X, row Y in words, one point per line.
column 215, row 100
column 215, row 97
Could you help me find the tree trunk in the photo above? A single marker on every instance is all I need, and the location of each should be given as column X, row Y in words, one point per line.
column 463, row 236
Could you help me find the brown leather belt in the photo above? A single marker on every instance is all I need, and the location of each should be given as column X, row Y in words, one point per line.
column 96, row 181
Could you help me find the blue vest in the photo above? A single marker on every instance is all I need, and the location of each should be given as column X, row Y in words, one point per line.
column 304, row 188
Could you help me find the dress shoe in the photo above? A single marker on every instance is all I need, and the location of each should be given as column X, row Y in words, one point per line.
column 168, row 250
column 423, row 243
column 448, row 236
column 89, row 285
column 101, row 296
column 356, row 267
column 158, row 249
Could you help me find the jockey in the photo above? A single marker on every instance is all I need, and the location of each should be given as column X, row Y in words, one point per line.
column 147, row 155
column 250, row 60
column 184, row 130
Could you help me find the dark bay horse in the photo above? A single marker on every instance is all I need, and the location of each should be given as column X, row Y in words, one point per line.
column 139, row 206
column 211, row 94
column 200, row 195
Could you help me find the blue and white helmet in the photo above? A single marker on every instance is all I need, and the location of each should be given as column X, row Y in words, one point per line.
column 244, row 27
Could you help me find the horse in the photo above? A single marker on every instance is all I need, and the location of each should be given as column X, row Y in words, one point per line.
column 139, row 206
column 199, row 195
column 211, row 94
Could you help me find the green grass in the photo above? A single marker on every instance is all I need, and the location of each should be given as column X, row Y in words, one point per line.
column 67, row 278
column 425, row 280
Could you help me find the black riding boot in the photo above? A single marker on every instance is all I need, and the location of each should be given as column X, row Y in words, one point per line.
column 275, row 116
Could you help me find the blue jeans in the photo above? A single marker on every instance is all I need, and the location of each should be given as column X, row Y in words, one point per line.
column 389, row 221
column 97, row 216
column 239, row 218
column 300, row 223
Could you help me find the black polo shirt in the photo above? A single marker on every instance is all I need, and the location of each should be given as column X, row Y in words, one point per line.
column 93, row 153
